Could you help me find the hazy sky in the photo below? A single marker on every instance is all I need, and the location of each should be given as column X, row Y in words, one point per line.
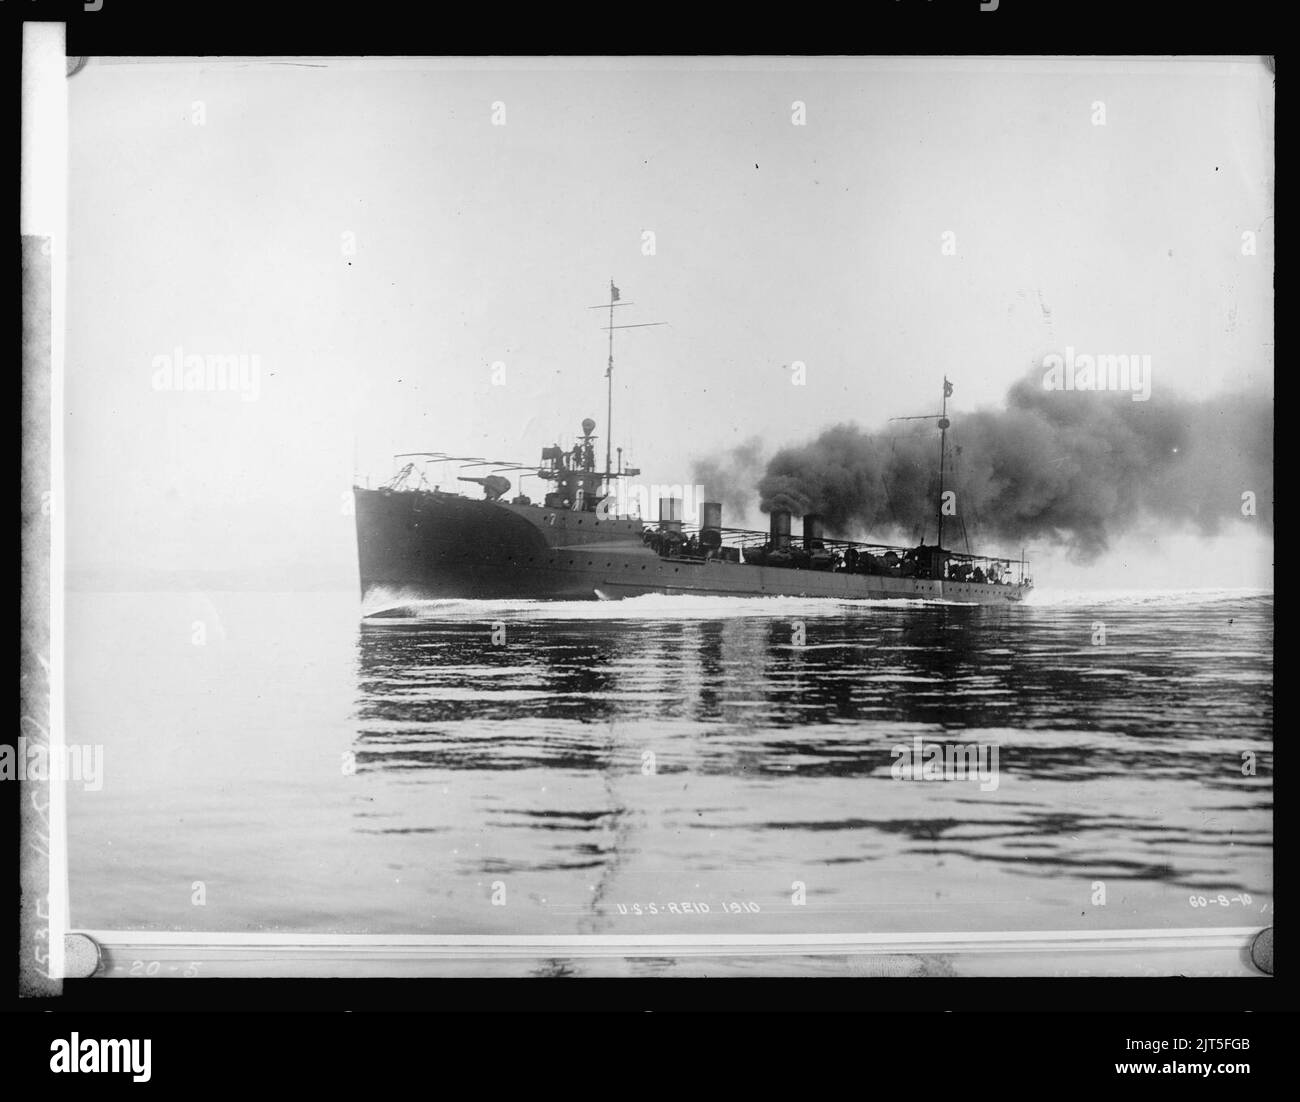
column 368, row 233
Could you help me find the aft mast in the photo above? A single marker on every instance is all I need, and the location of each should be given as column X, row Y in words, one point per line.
column 944, row 425
column 943, row 437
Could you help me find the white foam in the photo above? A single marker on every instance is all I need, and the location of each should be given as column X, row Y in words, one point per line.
column 657, row 606
column 1173, row 598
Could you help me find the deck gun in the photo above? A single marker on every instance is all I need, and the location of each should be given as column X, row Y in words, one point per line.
column 494, row 486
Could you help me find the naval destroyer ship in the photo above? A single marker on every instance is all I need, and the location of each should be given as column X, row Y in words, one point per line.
column 419, row 541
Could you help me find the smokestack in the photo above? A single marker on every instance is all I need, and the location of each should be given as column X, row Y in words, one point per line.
column 711, row 524
column 670, row 513
column 812, row 532
column 780, row 528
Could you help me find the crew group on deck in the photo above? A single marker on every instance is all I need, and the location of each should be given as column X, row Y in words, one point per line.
column 777, row 548
column 842, row 557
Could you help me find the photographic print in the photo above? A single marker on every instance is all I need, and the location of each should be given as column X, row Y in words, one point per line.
column 667, row 516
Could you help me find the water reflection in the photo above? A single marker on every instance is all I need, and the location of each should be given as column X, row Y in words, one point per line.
column 610, row 761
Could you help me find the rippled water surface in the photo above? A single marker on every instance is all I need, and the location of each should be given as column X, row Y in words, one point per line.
column 670, row 765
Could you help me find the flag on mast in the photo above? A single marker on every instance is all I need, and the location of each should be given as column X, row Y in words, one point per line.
column 947, row 388
column 613, row 292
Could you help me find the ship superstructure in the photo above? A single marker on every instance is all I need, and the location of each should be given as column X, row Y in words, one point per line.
column 418, row 541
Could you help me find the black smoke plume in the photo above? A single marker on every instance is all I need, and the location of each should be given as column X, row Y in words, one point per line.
column 1075, row 468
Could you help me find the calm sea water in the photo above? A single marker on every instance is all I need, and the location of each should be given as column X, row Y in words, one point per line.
column 670, row 765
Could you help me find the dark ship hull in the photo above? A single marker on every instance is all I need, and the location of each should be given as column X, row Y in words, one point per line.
column 427, row 544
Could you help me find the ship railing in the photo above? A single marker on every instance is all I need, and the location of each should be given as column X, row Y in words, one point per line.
column 994, row 568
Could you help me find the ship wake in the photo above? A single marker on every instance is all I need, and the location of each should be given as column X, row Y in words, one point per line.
column 653, row 606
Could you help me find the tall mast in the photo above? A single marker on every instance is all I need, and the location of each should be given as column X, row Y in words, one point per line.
column 609, row 375
column 943, row 436
column 609, row 367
